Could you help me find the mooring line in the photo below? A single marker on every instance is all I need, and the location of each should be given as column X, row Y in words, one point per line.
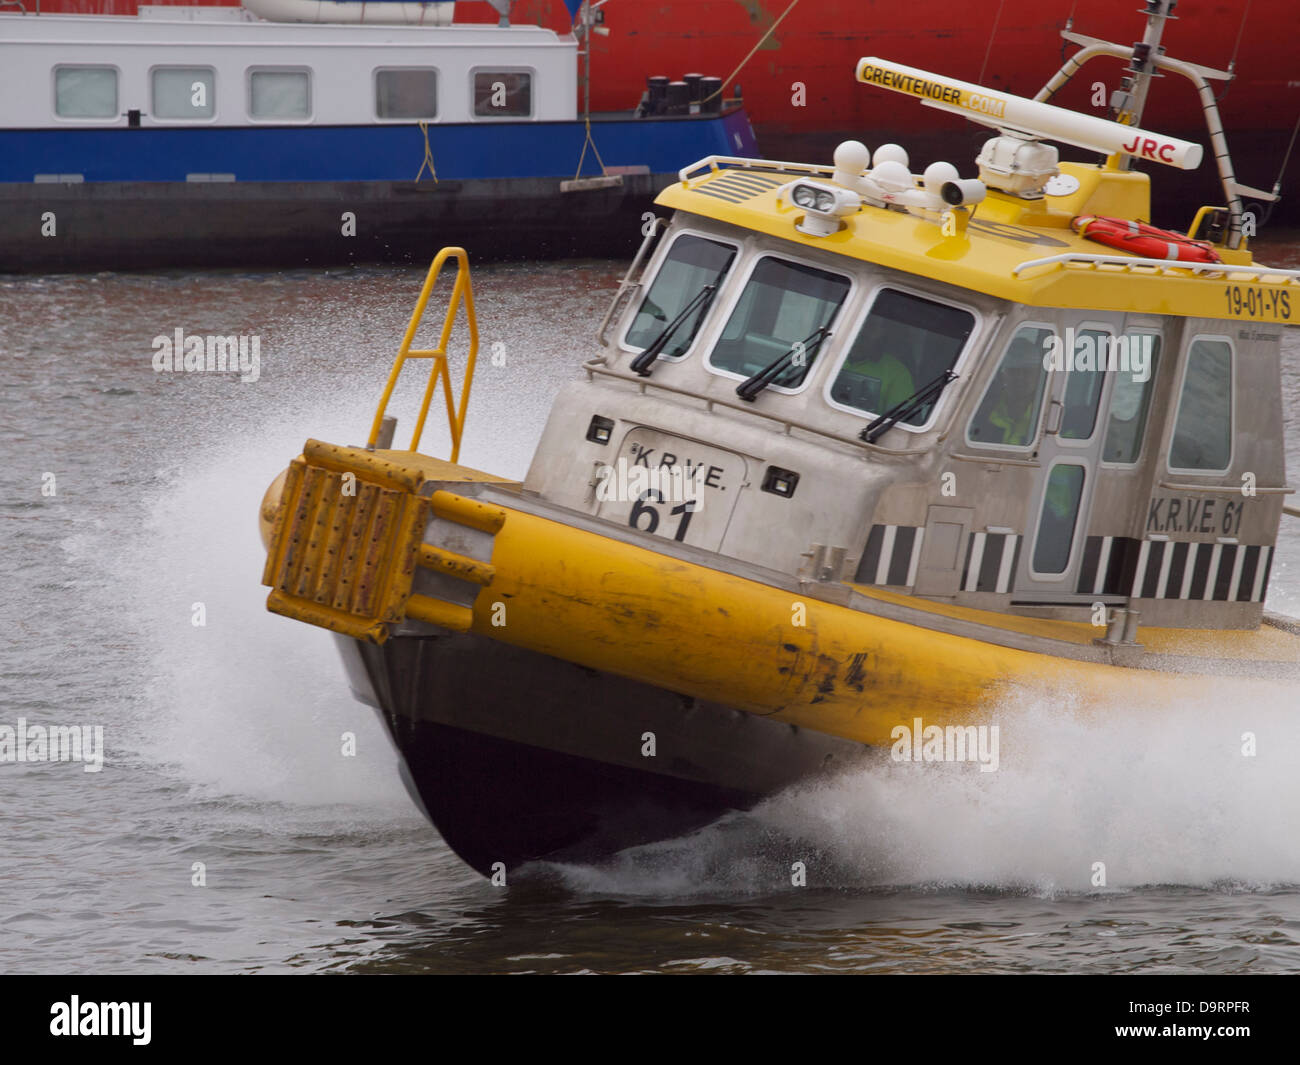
column 992, row 33
column 428, row 154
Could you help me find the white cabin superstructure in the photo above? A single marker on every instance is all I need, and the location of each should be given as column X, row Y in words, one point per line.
column 76, row 72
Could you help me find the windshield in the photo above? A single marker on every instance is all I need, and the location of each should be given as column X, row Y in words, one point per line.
column 784, row 303
column 904, row 343
column 692, row 264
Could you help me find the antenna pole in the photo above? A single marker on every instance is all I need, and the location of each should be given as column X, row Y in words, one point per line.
column 1127, row 103
column 586, row 61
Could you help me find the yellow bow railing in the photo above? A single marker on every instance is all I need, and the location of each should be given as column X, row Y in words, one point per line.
column 462, row 292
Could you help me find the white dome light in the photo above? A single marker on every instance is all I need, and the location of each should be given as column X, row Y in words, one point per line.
column 939, row 174
column 892, row 175
column 852, row 157
column 890, row 153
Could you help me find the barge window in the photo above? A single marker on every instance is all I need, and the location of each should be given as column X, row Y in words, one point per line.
column 1061, row 498
column 1130, row 400
column 783, row 303
column 184, row 92
column 279, row 94
column 905, row 342
column 1203, row 433
column 691, row 264
column 85, row 92
column 1008, row 413
column 502, row 94
column 1084, row 384
column 406, row 93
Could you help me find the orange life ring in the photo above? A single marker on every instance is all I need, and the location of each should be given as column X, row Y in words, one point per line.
column 1139, row 238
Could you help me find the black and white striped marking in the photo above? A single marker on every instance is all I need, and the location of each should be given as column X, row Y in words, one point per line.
column 894, row 552
column 1111, row 565
column 1161, row 569
column 892, row 555
column 991, row 559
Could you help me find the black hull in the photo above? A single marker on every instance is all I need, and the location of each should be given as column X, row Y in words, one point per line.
column 154, row 225
column 515, row 756
column 494, row 801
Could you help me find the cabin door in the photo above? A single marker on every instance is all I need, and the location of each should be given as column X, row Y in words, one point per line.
column 1069, row 461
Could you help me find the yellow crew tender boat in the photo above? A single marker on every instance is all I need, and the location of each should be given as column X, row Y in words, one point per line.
column 861, row 447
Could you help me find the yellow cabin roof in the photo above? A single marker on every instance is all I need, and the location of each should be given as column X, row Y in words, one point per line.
column 989, row 251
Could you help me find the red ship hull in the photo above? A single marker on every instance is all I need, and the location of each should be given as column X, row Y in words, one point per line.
column 802, row 98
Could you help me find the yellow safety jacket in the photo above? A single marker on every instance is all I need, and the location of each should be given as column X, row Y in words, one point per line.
column 895, row 379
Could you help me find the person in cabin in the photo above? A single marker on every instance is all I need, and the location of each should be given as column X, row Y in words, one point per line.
column 888, row 378
column 1009, row 412
column 875, row 374
column 1013, row 413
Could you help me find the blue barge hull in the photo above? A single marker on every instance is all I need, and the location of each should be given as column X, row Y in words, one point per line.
column 97, row 199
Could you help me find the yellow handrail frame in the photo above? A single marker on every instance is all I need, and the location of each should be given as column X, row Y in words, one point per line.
column 462, row 292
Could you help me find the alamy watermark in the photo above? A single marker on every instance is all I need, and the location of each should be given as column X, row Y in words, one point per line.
column 624, row 482
column 1092, row 351
column 948, row 743
column 179, row 353
column 53, row 743
column 78, row 1018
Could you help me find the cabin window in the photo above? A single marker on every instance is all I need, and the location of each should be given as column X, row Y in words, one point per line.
column 784, row 303
column 184, row 92
column 85, row 92
column 1008, row 413
column 1203, row 430
column 1130, row 400
column 406, row 93
column 1061, row 498
column 279, row 94
column 905, row 343
column 692, row 264
column 1084, row 384
column 502, row 94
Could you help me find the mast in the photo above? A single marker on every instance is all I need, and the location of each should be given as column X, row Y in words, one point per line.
column 1145, row 58
column 1128, row 101
column 587, row 20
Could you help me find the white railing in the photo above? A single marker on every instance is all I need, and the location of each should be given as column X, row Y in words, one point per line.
column 1258, row 273
column 717, row 162
column 631, row 281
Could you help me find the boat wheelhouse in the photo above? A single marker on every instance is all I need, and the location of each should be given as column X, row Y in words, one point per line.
column 863, row 446
column 1094, row 446
column 206, row 136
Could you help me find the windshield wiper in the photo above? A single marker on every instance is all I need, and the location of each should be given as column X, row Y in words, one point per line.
column 907, row 407
column 643, row 362
column 752, row 386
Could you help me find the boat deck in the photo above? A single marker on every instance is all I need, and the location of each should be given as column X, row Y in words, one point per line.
column 1273, row 642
